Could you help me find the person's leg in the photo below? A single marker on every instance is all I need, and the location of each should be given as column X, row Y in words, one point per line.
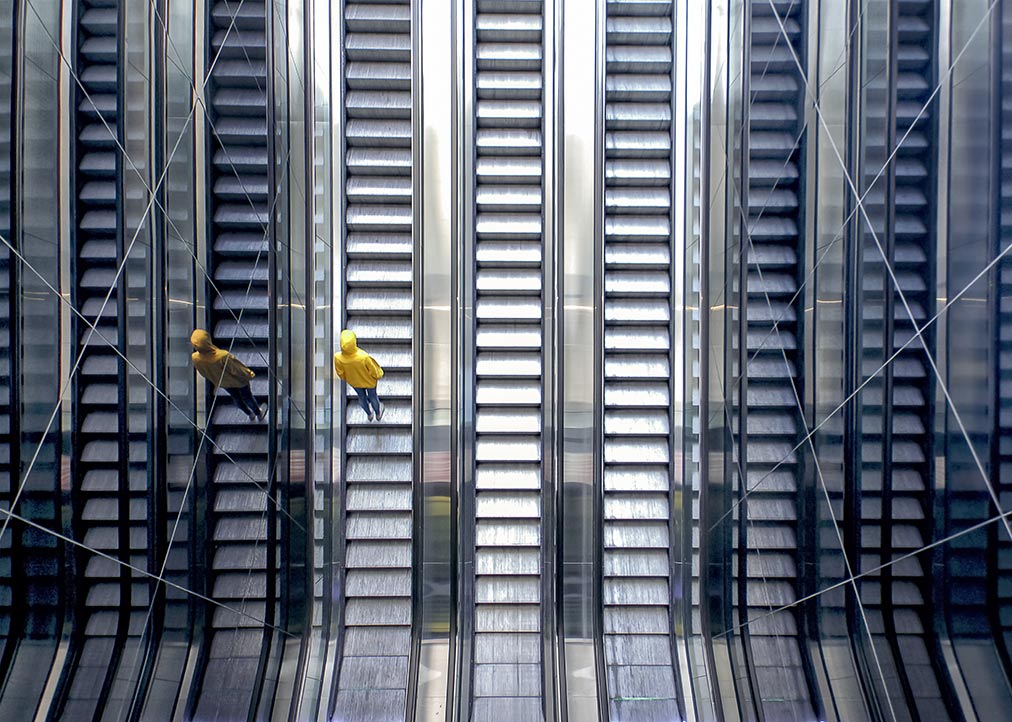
column 363, row 401
column 237, row 397
column 375, row 399
column 251, row 401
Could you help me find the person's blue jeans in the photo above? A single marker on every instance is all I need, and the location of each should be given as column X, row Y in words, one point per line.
column 245, row 400
column 369, row 400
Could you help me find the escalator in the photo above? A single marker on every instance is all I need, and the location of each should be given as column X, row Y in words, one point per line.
column 238, row 507
column 40, row 571
column 774, row 421
column 896, row 418
column 638, row 266
column 876, row 656
column 1003, row 556
column 109, row 479
column 372, row 680
column 909, row 482
column 508, row 287
column 8, row 444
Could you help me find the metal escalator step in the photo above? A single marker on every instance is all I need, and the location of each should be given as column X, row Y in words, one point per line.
column 636, row 535
column 378, row 46
column 378, row 555
column 507, row 680
column 239, row 43
column 635, row 478
column 636, row 620
column 378, row 583
column 378, row 613
column 236, row 557
column 246, row 71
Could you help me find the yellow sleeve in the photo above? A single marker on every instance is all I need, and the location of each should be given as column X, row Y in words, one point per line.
column 240, row 366
column 374, row 368
column 337, row 369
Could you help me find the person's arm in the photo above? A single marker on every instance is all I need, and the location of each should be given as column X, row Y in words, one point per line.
column 239, row 367
column 374, row 368
column 337, row 369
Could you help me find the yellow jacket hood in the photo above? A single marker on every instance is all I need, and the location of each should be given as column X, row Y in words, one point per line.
column 217, row 365
column 201, row 341
column 349, row 342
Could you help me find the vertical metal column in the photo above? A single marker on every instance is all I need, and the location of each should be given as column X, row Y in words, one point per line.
column 439, row 146
column 580, row 191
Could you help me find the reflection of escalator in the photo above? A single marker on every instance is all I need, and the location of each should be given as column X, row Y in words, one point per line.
column 108, row 491
column 40, row 569
column 774, row 423
column 870, row 341
column 8, row 479
column 373, row 677
column 508, row 286
column 238, row 508
column 1004, row 357
column 637, row 363
column 909, row 479
column 895, row 418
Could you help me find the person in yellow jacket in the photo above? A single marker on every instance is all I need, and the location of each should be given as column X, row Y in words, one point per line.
column 226, row 371
column 360, row 371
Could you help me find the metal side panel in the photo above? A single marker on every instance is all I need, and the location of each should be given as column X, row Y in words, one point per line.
column 508, row 360
column 637, row 588
column 775, row 421
column 377, row 515
column 238, row 505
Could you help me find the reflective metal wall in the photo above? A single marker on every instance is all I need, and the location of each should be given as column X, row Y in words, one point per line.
column 695, row 324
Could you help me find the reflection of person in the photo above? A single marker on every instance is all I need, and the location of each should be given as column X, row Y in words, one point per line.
column 226, row 371
column 360, row 371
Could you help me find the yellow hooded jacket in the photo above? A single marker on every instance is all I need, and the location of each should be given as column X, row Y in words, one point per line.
column 354, row 365
column 216, row 365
